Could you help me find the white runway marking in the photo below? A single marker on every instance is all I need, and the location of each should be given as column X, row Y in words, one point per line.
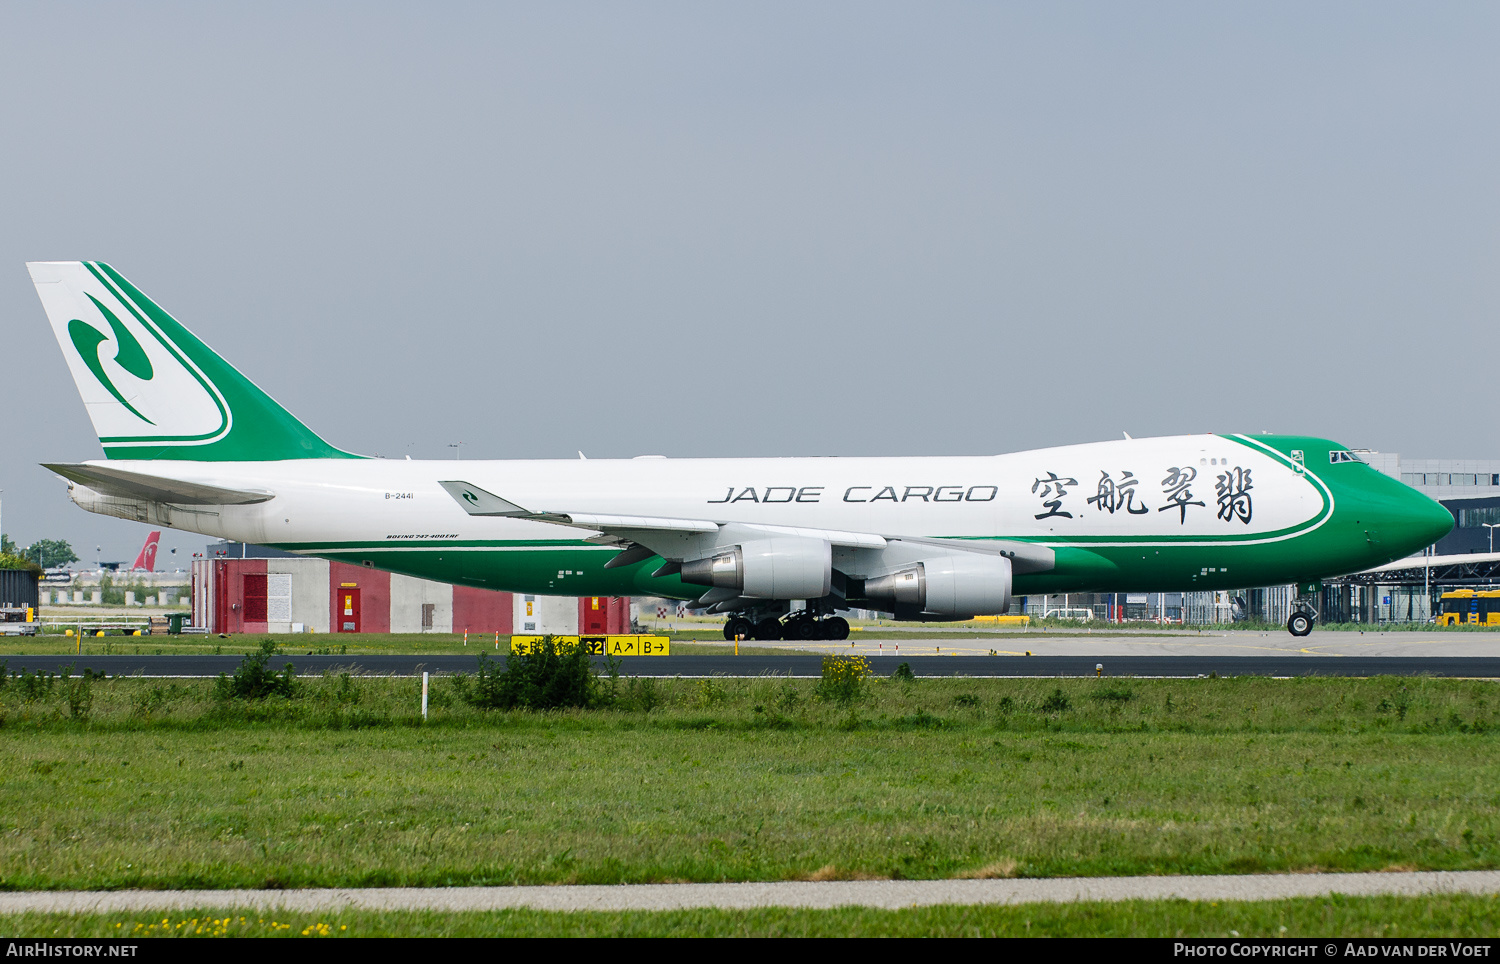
column 887, row 894
column 1107, row 641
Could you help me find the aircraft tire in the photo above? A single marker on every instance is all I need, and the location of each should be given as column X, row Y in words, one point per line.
column 1300, row 624
column 836, row 627
column 768, row 628
column 805, row 629
column 738, row 626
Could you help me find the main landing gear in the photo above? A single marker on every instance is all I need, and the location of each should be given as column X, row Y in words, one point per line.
column 799, row 625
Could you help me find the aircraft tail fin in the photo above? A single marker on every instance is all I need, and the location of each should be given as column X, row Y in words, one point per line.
column 147, row 558
column 154, row 390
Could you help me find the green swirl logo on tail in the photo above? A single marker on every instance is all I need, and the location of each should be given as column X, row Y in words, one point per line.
column 130, row 356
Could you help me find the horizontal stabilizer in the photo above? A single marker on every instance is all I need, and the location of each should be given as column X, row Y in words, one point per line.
column 124, row 484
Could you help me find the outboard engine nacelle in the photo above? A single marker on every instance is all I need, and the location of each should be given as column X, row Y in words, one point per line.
column 960, row 585
column 776, row 568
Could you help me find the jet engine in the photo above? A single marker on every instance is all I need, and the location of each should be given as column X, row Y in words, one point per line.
column 951, row 586
column 775, row 568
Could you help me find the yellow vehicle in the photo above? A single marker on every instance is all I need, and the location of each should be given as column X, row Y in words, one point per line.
column 1468, row 607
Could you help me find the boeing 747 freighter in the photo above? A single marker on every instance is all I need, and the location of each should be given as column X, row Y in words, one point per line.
column 191, row 443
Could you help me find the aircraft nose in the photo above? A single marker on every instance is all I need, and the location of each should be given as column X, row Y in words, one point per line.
column 1434, row 521
column 1417, row 522
column 1405, row 520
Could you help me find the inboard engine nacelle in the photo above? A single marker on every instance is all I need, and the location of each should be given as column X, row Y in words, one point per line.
column 775, row 568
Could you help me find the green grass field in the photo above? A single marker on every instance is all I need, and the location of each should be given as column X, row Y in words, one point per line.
column 155, row 784
column 1446, row 915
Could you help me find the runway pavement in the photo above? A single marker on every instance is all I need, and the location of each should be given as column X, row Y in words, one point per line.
column 1165, row 653
column 1117, row 655
column 1164, row 642
column 887, row 894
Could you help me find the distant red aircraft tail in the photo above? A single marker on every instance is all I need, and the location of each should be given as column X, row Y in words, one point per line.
column 147, row 559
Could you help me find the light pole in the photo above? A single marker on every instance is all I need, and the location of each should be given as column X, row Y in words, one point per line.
column 1427, row 578
column 455, row 446
column 1491, row 526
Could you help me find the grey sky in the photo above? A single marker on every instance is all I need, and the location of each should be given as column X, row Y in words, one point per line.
column 905, row 230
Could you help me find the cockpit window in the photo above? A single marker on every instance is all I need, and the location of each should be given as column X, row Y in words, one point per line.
column 1337, row 456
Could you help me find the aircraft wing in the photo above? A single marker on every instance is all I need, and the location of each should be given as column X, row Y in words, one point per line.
column 476, row 501
column 664, row 535
column 125, row 484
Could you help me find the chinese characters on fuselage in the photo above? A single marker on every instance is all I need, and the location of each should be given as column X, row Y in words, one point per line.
column 1053, row 488
column 1116, row 493
column 1176, row 487
column 1233, row 488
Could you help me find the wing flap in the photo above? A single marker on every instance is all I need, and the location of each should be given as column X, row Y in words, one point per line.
column 626, row 523
column 1024, row 556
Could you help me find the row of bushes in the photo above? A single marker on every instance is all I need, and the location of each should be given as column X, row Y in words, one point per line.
column 34, row 687
column 549, row 676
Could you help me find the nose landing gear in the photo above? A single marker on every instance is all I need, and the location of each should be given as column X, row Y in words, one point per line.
column 1299, row 624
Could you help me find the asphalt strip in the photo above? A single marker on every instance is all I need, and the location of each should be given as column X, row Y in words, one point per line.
column 887, row 894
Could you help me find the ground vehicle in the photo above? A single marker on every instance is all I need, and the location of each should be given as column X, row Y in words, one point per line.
column 1470, row 607
column 19, row 621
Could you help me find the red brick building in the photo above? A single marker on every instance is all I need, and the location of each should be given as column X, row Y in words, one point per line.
column 284, row 595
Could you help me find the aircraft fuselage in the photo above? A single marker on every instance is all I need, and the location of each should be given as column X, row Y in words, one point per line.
column 1186, row 513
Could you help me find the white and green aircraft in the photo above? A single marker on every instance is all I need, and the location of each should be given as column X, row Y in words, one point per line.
column 191, row 443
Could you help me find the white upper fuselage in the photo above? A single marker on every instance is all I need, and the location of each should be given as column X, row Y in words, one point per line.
column 1168, row 487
